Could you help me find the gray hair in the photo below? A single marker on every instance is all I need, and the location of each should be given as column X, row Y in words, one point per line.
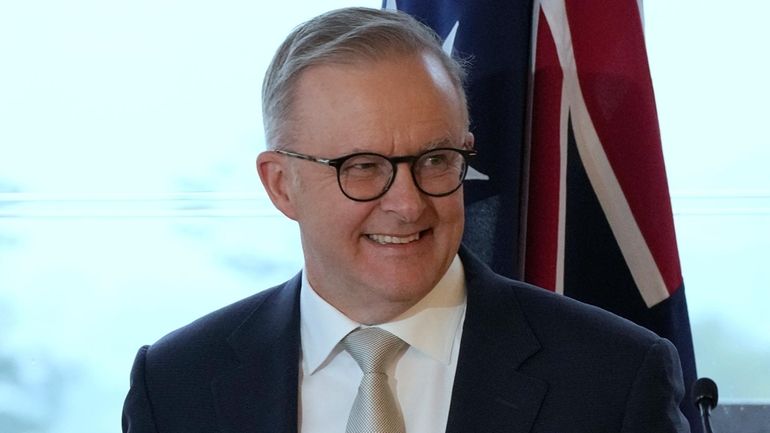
column 345, row 36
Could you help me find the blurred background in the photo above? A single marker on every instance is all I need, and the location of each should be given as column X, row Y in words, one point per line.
column 129, row 203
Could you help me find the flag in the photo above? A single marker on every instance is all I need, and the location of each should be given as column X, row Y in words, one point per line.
column 496, row 42
column 569, row 191
column 598, row 224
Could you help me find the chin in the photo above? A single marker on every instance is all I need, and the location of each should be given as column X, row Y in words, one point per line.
column 403, row 287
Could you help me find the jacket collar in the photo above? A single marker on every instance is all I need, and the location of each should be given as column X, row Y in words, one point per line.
column 489, row 392
column 260, row 394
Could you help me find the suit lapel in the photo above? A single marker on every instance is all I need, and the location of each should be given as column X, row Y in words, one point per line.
column 260, row 393
column 489, row 393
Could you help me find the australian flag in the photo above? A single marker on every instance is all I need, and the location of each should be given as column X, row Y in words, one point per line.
column 569, row 191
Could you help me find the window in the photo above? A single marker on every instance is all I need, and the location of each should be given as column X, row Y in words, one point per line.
column 129, row 201
column 711, row 102
column 129, row 204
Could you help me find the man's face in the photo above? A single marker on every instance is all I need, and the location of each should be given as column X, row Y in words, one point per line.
column 373, row 260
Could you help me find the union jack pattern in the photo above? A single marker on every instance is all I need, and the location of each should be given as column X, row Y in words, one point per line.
column 572, row 194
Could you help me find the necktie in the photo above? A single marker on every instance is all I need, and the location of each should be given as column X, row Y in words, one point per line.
column 375, row 409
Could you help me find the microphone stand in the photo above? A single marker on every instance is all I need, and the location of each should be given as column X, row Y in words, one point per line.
column 705, row 397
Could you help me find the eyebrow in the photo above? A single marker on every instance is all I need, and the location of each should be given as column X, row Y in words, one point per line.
column 430, row 145
column 435, row 144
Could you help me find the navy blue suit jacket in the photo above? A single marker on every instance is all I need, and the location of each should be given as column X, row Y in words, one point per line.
column 530, row 361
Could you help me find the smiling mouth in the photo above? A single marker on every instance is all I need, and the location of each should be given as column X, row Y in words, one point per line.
column 388, row 239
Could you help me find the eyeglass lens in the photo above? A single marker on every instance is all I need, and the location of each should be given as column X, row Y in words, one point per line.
column 436, row 172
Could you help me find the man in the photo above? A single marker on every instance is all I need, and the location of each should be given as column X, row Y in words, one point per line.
column 368, row 141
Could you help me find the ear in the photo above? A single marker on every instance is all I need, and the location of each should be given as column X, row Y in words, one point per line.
column 276, row 178
column 469, row 140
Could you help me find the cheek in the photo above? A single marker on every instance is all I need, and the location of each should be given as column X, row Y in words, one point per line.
column 316, row 196
column 452, row 212
column 336, row 221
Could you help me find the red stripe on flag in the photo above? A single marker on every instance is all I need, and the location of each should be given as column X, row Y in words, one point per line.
column 613, row 72
column 545, row 155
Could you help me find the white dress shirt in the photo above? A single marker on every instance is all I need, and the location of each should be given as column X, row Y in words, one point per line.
column 422, row 378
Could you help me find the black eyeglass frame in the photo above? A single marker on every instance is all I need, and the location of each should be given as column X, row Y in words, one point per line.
column 467, row 154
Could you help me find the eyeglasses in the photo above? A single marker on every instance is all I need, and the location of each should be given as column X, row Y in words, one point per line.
column 368, row 176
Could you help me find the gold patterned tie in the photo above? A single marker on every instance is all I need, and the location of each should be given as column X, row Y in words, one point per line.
column 375, row 409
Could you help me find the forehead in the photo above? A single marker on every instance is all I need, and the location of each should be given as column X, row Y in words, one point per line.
column 394, row 105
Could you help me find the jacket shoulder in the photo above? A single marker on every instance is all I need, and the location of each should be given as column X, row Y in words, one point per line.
column 205, row 341
column 552, row 317
column 556, row 314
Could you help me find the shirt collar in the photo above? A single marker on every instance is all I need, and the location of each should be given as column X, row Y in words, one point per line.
column 429, row 326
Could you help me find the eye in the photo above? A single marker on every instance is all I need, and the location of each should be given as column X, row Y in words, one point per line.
column 364, row 166
column 436, row 160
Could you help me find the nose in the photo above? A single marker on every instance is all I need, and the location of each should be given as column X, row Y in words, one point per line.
column 403, row 199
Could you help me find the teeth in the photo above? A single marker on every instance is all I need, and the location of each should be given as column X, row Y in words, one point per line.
column 386, row 239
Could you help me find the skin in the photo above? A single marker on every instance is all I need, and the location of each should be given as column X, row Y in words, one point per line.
column 398, row 106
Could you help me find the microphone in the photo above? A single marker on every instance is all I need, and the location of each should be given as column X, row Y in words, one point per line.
column 705, row 397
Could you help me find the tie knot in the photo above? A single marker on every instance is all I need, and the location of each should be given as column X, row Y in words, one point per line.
column 372, row 348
